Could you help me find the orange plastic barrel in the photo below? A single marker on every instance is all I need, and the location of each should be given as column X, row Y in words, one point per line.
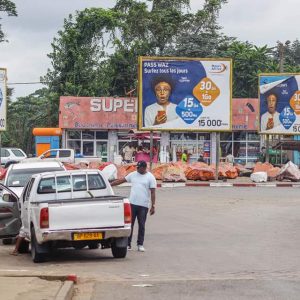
column 47, row 131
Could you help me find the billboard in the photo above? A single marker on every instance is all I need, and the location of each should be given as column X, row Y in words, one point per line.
column 3, row 100
column 279, row 103
column 97, row 113
column 245, row 114
column 184, row 94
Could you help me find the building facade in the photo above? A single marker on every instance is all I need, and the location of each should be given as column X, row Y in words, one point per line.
column 101, row 127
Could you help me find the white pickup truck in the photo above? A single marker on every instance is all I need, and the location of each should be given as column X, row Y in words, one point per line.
column 62, row 155
column 67, row 209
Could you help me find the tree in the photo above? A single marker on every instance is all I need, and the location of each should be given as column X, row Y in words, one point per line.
column 200, row 35
column 9, row 8
column 288, row 55
column 81, row 63
column 248, row 61
column 25, row 114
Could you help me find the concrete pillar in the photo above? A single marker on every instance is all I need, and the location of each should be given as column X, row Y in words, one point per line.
column 164, row 147
column 112, row 144
column 213, row 152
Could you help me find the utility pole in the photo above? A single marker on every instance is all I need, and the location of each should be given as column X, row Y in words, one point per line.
column 281, row 50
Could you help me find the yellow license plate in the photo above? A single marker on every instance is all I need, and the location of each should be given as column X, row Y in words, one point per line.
column 88, row 236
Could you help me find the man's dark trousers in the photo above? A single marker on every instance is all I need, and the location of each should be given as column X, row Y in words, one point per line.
column 139, row 212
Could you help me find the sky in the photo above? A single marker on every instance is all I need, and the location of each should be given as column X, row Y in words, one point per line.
column 31, row 33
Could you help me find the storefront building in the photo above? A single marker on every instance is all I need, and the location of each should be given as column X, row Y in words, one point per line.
column 101, row 127
column 97, row 127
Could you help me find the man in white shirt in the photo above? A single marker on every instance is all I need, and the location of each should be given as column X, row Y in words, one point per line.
column 163, row 110
column 270, row 119
column 142, row 197
column 128, row 152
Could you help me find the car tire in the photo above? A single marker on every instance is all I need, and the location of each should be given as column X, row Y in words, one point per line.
column 7, row 241
column 36, row 255
column 94, row 245
column 118, row 252
column 24, row 247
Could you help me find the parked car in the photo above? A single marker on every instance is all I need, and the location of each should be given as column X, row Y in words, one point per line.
column 12, row 154
column 67, row 209
column 62, row 155
column 18, row 175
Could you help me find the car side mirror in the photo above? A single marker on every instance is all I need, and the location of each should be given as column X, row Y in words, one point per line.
column 8, row 198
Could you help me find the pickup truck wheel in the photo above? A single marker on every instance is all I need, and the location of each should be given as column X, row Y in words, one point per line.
column 24, row 247
column 35, row 254
column 118, row 252
column 7, row 241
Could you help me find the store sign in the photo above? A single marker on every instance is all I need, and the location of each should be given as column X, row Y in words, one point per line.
column 98, row 113
column 279, row 103
column 184, row 94
column 245, row 114
column 3, row 100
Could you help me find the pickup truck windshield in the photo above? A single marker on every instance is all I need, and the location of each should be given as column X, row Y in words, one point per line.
column 19, row 178
column 64, row 183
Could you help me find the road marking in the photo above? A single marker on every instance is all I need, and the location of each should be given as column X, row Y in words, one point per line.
column 142, row 285
column 221, row 184
column 172, row 185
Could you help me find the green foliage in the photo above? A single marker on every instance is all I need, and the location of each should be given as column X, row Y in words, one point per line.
column 25, row 114
column 248, row 62
column 95, row 54
column 9, row 8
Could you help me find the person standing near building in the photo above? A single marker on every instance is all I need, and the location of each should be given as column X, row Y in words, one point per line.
column 184, row 156
column 128, row 152
column 142, row 197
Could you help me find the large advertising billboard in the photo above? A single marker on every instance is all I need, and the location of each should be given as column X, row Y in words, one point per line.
column 184, row 94
column 97, row 113
column 279, row 103
column 3, row 104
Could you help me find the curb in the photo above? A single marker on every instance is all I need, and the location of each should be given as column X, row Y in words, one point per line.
column 220, row 184
column 66, row 292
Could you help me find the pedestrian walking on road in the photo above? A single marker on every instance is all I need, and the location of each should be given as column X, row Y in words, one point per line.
column 142, row 197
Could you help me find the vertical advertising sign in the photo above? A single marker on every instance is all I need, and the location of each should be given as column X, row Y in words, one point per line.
column 3, row 104
column 279, row 103
column 188, row 94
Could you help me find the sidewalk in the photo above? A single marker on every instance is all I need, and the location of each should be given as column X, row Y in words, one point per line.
column 238, row 182
column 28, row 288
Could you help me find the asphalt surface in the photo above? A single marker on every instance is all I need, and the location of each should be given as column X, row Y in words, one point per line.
column 203, row 243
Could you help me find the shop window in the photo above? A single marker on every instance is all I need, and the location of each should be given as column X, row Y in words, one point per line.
column 88, row 135
column 226, row 136
column 204, row 136
column 226, row 148
column 88, row 148
column 253, row 149
column 101, row 150
column 76, row 145
column 253, row 136
column 101, row 135
column 74, row 135
column 190, row 136
column 240, row 151
column 239, row 136
column 177, row 136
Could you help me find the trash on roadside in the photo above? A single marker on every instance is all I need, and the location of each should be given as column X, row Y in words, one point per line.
column 289, row 171
column 259, row 177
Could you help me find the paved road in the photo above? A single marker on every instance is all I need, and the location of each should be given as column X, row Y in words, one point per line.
column 202, row 243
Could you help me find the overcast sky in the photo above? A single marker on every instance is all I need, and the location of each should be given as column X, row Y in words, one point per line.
column 31, row 33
